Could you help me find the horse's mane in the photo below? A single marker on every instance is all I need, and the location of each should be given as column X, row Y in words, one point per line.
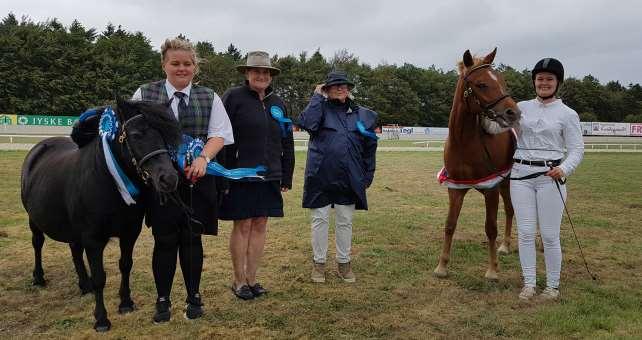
column 461, row 68
column 159, row 118
column 156, row 115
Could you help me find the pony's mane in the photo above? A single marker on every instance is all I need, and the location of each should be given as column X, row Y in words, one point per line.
column 159, row 118
column 156, row 115
column 461, row 68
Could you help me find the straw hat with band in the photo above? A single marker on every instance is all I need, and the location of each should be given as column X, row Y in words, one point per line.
column 258, row 59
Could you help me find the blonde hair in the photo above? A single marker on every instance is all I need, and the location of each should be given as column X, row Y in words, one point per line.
column 182, row 45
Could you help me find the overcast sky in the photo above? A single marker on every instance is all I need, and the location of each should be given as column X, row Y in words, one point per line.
column 602, row 38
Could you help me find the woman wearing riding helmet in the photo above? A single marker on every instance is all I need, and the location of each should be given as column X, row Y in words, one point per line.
column 550, row 143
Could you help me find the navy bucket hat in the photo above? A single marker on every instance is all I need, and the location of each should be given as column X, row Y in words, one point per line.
column 337, row 78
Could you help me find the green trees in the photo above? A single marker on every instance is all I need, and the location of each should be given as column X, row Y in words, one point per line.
column 46, row 68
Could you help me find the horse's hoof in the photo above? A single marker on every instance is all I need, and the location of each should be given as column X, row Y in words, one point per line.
column 503, row 250
column 440, row 273
column 491, row 276
column 39, row 281
column 102, row 326
column 126, row 309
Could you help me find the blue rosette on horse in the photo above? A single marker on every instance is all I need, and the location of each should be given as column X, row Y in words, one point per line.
column 191, row 148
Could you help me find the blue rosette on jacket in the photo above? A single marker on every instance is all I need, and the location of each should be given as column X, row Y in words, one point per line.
column 284, row 123
column 191, row 148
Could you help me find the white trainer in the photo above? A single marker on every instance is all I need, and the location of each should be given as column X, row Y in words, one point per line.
column 527, row 293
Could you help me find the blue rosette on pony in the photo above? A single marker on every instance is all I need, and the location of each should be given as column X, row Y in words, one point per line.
column 191, row 148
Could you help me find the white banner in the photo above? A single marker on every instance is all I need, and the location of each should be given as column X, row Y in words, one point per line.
column 610, row 129
column 586, row 128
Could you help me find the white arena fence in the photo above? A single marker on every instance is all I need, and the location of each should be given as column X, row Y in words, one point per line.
column 598, row 137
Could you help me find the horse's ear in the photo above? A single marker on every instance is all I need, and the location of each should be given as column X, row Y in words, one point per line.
column 468, row 59
column 490, row 57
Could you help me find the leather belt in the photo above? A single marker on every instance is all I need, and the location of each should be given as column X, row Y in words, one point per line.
column 555, row 162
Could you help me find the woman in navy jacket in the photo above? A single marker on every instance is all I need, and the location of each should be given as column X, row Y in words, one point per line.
column 339, row 169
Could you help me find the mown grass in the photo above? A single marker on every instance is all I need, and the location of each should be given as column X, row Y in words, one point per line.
column 396, row 245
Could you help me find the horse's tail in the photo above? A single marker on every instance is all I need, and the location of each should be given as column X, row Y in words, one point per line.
column 27, row 167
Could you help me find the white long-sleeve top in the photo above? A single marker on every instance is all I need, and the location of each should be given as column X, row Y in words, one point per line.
column 548, row 132
column 219, row 124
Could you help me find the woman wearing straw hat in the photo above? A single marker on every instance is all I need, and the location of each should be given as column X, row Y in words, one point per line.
column 263, row 136
column 339, row 169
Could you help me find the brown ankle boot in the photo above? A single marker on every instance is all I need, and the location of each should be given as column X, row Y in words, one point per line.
column 318, row 273
column 345, row 272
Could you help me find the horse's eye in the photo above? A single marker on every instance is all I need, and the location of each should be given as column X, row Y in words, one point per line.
column 482, row 86
column 137, row 134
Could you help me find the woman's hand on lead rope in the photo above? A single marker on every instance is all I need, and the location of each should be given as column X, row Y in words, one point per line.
column 196, row 170
column 556, row 173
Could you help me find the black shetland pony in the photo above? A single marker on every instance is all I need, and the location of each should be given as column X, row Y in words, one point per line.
column 70, row 195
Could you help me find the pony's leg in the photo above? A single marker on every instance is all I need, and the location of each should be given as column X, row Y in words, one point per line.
column 95, row 248
column 125, row 264
column 37, row 241
column 456, row 200
column 84, row 282
column 504, row 191
column 491, row 198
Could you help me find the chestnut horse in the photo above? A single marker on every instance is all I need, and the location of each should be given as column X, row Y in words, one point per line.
column 479, row 151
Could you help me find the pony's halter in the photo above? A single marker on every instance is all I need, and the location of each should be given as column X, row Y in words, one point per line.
column 122, row 139
column 487, row 109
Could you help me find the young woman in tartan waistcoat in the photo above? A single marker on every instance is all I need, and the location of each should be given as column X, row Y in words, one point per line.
column 201, row 114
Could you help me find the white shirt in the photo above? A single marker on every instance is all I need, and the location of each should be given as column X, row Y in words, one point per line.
column 219, row 124
column 547, row 131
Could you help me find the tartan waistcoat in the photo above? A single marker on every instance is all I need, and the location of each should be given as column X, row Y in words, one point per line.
column 195, row 123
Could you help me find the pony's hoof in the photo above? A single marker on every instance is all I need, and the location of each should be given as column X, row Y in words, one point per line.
column 39, row 281
column 102, row 326
column 503, row 250
column 491, row 276
column 440, row 273
column 126, row 309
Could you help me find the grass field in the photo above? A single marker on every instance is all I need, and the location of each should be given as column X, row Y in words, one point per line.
column 395, row 249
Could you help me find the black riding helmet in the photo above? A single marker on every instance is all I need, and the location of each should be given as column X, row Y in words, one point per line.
column 551, row 65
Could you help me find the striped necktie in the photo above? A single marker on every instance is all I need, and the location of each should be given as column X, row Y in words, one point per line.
column 183, row 109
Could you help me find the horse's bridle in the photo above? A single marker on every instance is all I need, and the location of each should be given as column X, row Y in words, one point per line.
column 487, row 109
column 138, row 164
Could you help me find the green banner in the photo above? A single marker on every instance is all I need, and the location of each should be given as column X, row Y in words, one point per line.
column 46, row 120
column 8, row 119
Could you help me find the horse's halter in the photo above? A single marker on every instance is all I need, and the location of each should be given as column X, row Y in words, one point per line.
column 122, row 139
column 487, row 109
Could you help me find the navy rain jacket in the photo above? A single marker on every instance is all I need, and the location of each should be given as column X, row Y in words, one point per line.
column 341, row 161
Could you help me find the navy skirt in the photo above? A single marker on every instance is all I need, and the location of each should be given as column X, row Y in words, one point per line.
column 251, row 199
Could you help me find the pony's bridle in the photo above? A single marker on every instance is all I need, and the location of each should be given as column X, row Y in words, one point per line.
column 138, row 164
column 487, row 109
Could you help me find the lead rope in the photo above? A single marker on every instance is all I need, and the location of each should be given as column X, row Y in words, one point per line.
column 559, row 189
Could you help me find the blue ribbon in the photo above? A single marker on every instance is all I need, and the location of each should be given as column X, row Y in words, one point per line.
column 87, row 114
column 192, row 148
column 284, row 123
column 364, row 132
column 107, row 128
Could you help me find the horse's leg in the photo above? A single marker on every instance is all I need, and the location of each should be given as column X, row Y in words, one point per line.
column 491, row 198
column 95, row 248
column 37, row 241
column 456, row 200
column 125, row 264
column 504, row 191
column 84, row 282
